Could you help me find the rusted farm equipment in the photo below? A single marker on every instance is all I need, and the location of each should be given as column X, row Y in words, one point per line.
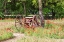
column 28, row 22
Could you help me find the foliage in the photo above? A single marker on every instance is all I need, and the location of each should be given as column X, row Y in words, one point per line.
column 1, row 5
column 46, row 11
column 35, row 3
column 17, row 7
column 1, row 15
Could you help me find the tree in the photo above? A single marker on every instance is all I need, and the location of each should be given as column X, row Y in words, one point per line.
column 56, row 6
column 24, row 5
column 41, row 12
column 5, row 1
column 17, row 6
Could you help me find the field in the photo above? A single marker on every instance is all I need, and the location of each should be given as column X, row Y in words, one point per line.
column 52, row 32
column 5, row 30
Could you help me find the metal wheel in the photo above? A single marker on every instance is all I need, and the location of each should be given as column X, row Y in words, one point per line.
column 39, row 22
column 18, row 23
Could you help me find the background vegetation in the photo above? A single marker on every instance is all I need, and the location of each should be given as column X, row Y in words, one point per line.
column 14, row 7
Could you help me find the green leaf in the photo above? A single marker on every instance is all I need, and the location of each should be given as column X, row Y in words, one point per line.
column 9, row 0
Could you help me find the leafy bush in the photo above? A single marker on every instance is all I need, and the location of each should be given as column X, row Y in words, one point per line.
column 1, row 15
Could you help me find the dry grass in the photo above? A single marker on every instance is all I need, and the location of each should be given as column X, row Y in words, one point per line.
column 6, row 23
column 9, row 23
column 33, row 39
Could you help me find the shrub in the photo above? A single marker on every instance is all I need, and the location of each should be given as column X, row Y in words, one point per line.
column 1, row 15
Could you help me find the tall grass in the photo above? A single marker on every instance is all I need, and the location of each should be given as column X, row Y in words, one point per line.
column 51, row 30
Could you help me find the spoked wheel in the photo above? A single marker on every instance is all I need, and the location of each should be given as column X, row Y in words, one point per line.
column 39, row 21
column 18, row 24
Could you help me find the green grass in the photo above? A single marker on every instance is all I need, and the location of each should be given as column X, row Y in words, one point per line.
column 6, row 36
column 5, row 33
